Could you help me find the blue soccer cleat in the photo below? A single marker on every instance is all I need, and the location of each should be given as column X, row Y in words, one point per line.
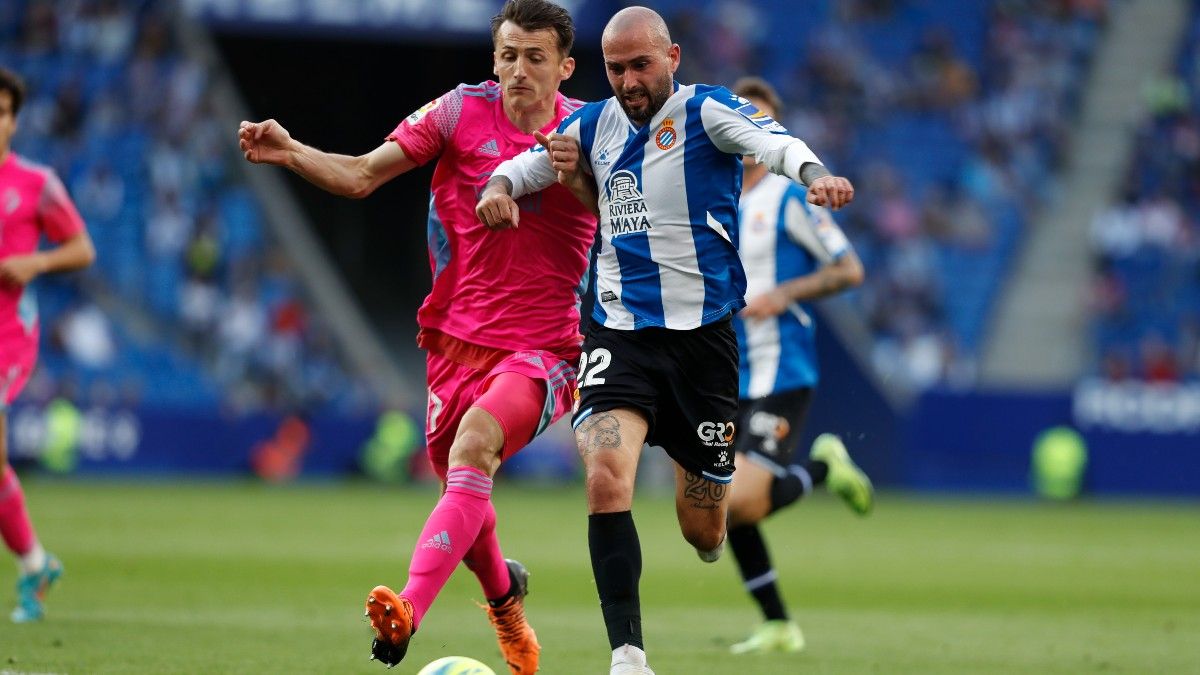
column 31, row 591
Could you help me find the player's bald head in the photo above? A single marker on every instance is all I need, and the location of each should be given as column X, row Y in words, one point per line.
column 637, row 23
column 640, row 61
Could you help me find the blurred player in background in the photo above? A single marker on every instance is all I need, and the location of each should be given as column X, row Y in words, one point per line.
column 793, row 253
column 33, row 202
column 501, row 323
column 660, row 356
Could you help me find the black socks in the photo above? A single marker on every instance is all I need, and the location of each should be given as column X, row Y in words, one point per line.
column 750, row 552
column 797, row 482
column 617, row 566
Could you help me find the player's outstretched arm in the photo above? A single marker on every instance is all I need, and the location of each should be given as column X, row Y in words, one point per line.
column 74, row 253
column 766, row 140
column 268, row 142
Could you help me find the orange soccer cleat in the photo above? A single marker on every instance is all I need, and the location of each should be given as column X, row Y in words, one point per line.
column 518, row 642
column 392, row 620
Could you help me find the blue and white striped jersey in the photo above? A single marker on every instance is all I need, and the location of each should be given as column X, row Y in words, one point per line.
column 782, row 237
column 668, row 202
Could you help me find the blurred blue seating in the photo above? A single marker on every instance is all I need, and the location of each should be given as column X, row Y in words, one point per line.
column 117, row 124
column 1160, row 279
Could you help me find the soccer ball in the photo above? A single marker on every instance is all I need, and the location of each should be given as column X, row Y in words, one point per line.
column 456, row 665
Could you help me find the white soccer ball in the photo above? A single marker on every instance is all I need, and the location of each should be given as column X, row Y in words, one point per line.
column 456, row 665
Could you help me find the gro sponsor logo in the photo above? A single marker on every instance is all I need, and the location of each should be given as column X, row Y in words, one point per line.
column 716, row 433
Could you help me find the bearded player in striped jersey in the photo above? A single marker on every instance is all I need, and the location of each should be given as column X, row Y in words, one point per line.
column 660, row 361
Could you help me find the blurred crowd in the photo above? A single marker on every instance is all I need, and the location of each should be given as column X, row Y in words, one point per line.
column 1145, row 298
column 950, row 117
column 188, row 304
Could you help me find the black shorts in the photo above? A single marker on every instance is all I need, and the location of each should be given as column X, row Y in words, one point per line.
column 684, row 381
column 769, row 427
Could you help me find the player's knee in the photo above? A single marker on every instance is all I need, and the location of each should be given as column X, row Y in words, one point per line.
column 607, row 489
column 746, row 509
column 744, row 513
column 475, row 449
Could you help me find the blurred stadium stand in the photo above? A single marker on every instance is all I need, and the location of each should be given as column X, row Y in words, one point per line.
column 955, row 120
column 188, row 305
column 1145, row 296
column 952, row 118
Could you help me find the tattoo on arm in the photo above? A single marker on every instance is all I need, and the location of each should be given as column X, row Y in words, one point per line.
column 601, row 431
column 812, row 171
column 501, row 182
column 704, row 494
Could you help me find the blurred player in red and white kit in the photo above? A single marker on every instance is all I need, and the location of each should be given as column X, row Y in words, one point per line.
column 501, row 323
column 33, row 202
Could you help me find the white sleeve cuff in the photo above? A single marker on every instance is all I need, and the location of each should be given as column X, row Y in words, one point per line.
column 509, row 169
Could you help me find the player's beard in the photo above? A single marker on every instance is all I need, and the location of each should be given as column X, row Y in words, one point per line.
column 655, row 99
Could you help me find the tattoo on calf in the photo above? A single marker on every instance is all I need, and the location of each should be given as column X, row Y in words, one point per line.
column 599, row 432
column 704, row 494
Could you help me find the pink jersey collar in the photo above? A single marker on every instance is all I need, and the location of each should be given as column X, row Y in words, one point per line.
column 514, row 134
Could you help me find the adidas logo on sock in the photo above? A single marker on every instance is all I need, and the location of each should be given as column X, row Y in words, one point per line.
column 490, row 148
column 440, row 541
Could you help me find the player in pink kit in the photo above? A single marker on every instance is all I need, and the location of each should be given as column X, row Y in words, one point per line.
column 501, row 335
column 33, row 202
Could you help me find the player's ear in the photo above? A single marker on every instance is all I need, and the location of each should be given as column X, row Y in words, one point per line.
column 673, row 55
column 567, row 67
column 496, row 64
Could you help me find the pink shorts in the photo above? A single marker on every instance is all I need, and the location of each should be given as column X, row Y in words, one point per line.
column 525, row 405
column 17, row 358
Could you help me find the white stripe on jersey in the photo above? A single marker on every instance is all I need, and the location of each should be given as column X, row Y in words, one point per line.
column 718, row 227
column 759, row 234
column 673, row 247
column 762, row 337
column 608, row 280
column 757, row 242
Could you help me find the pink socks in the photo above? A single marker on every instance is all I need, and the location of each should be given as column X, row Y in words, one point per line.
column 486, row 560
column 461, row 526
column 15, row 527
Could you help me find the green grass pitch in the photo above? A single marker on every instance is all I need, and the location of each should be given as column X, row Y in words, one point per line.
column 245, row 578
